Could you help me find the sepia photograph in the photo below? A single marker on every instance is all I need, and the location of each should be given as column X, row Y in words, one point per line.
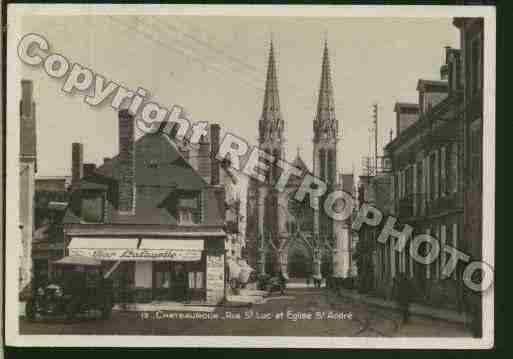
column 250, row 176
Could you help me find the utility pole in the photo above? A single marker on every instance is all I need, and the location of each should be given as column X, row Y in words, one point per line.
column 375, row 122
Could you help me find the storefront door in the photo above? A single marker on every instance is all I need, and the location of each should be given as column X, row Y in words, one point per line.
column 169, row 281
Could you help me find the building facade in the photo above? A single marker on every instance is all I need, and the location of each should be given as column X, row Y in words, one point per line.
column 309, row 234
column 425, row 186
column 471, row 72
column 152, row 219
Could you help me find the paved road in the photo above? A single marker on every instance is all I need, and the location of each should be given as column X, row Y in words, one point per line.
column 301, row 312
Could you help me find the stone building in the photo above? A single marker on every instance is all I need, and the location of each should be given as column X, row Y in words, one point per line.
column 424, row 188
column 152, row 219
column 471, row 74
column 268, row 220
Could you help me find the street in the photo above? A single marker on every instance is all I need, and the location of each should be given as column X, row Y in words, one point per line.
column 300, row 312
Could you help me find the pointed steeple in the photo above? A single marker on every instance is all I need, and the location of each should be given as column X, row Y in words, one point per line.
column 271, row 122
column 325, row 116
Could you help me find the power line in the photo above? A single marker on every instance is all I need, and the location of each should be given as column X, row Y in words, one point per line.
column 152, row 29
column 178, row 50
column 251, row 69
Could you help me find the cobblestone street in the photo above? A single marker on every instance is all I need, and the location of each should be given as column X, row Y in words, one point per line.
column 301, row 312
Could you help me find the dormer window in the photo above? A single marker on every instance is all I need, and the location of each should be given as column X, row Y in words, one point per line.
column 188, row 210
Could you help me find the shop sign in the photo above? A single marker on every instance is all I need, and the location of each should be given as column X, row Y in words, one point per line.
column 182, row 255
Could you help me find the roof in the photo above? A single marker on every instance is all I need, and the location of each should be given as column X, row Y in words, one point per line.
column 299, row 163
column 160, row 174
column 433, row 85
column 77, row 260
column 157, row 163
column 409, row 105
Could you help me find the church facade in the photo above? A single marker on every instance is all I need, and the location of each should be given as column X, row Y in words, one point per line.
column 284, row 235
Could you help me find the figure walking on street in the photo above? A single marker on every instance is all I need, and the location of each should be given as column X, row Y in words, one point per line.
column 405, row 293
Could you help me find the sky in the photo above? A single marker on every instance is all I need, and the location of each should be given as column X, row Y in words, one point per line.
column 215, row 68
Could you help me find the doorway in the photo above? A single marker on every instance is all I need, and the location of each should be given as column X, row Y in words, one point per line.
column 169, row 281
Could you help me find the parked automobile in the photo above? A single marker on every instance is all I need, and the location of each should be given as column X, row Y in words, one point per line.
column 80, row 288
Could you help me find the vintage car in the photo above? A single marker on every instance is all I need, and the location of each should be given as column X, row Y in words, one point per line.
column 78, row 288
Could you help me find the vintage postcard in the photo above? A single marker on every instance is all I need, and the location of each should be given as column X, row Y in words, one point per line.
column 250, row 176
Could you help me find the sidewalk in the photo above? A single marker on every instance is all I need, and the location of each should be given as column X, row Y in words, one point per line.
column 415, row 308
column 245, row 298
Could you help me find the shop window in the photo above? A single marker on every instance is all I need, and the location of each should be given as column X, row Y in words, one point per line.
column 196, row 280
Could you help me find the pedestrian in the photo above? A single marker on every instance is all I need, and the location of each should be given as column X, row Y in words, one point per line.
column 405, row 293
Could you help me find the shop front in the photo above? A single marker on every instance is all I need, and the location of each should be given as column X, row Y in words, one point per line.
column 158, row 269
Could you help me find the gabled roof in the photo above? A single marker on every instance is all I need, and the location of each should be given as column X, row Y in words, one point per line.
column 161, row 173
column 157, row 163
column 299, row 163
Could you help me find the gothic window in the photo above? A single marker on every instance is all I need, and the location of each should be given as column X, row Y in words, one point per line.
column 274, row 165
column 322, row 164
column 331, row 165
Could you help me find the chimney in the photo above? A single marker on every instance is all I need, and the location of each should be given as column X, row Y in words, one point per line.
column 28, row 148
column 77, row 160
column 89, row 169
column 204, row 165
column 215, row 131
column 406, row 115
column 126, row 186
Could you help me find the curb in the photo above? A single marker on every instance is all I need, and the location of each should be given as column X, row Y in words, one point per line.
column 413, row 311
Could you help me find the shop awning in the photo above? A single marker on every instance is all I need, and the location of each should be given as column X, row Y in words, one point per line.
column 133, row 249
column 183, row 250
column 77, row 260
column 102, row 243
column 171, row 243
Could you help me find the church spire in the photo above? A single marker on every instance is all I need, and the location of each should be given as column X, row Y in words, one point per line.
column 271, row 122
column 325, row 116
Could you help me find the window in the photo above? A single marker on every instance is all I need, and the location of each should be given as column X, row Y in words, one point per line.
column 322, row 164
column 189, row 209
column 331, row 165
column 476, row 64
column 448, row 169
column 91, row 209
column 195, row 280
column 432, row 176
column 475, row 155
column 409, row 181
